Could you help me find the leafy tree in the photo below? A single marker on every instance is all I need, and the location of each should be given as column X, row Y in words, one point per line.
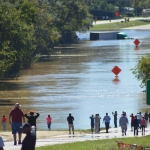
column 46, row 32
column 142, row 70
column 17, row 41
column 102, row 8
column 69, row 17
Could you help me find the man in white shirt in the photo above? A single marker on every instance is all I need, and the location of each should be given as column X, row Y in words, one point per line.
column 1, row 143
column 139, row 117
column 107, row 121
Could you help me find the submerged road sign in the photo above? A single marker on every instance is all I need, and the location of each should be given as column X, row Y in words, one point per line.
column 148, row 92
column 116, row 70
column 136, row 42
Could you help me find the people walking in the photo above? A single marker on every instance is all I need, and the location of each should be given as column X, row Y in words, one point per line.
column 30, row 139
column 146, row 118
column 32, row 116
column 115, row 118
column 4, row 119
column 107, row 119
column 136, row 125
column 143, row 125
column 92, row 123
column 49, row 121
column 70, row 120
column 132, row 118
column 15, row 119
column 123, row 121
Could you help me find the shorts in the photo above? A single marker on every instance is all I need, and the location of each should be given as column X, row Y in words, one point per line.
column 71, row 126
column 15, row 126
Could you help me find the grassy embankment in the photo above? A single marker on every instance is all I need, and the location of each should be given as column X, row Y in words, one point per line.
column 118, row 25
column 107, row 144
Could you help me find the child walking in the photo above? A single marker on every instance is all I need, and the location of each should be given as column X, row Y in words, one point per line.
column 4, row 119
column 143, row 125
column 49, row 121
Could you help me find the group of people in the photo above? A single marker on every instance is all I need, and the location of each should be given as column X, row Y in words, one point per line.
column 18, row 125
column 138, row 121
column 16, row 117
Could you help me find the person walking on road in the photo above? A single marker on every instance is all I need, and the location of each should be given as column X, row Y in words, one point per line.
column 15, row 119
column 139, row 117
column 136, row 125
column 132, row 118
column 99, row 123
column 146, row 118
column 123, row 121
column 92, row 123
column 115, row 118
column 70, row 120
column 4, row 119
column 143, row 125
column 49, row 121
column 107, row 121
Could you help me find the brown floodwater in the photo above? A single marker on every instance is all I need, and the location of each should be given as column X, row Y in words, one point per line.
column 78, row 80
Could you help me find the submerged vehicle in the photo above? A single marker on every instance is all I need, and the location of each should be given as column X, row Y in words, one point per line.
column 122, row 35
column 108, row 35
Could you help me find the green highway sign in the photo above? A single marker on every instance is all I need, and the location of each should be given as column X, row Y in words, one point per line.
column 148, row 92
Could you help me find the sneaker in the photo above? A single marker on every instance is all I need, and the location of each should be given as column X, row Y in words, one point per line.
column 19, row 142
column 15, row 142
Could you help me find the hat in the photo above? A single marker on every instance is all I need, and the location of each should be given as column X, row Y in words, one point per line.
column 31, row 111
column 17, row 105
column 25, row 125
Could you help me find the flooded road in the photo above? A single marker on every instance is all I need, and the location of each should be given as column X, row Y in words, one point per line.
column 79, row 80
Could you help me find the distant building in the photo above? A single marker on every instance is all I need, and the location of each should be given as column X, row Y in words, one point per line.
column 146, row 12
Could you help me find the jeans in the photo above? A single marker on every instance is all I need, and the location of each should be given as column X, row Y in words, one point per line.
column 49, row 125
column 115, row 123
column 135, row 130
column 107, row 126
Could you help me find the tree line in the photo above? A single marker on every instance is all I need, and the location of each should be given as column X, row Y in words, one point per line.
column 29, row 28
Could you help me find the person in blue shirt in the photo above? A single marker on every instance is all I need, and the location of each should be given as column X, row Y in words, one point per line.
column 107, row 121
column 92, row 123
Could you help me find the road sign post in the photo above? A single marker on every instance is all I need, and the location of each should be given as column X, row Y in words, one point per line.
column 148, row 92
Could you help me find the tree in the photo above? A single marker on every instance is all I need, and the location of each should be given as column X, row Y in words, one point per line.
column 69, row 17
column 102, row 8
column 142, row 70
column 17, row 41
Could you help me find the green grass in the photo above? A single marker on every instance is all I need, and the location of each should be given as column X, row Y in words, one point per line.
column 106, row 144
column 118, row 25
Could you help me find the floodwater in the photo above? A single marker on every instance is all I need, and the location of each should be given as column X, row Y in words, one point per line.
column 78, row 80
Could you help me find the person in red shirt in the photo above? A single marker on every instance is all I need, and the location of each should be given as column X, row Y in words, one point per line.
column 132, row 118
column 143, row 125
column 49, row 121
column 15, row 119
column 4, row 119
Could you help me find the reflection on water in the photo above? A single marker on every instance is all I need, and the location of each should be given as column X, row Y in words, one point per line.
column 79, row 81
